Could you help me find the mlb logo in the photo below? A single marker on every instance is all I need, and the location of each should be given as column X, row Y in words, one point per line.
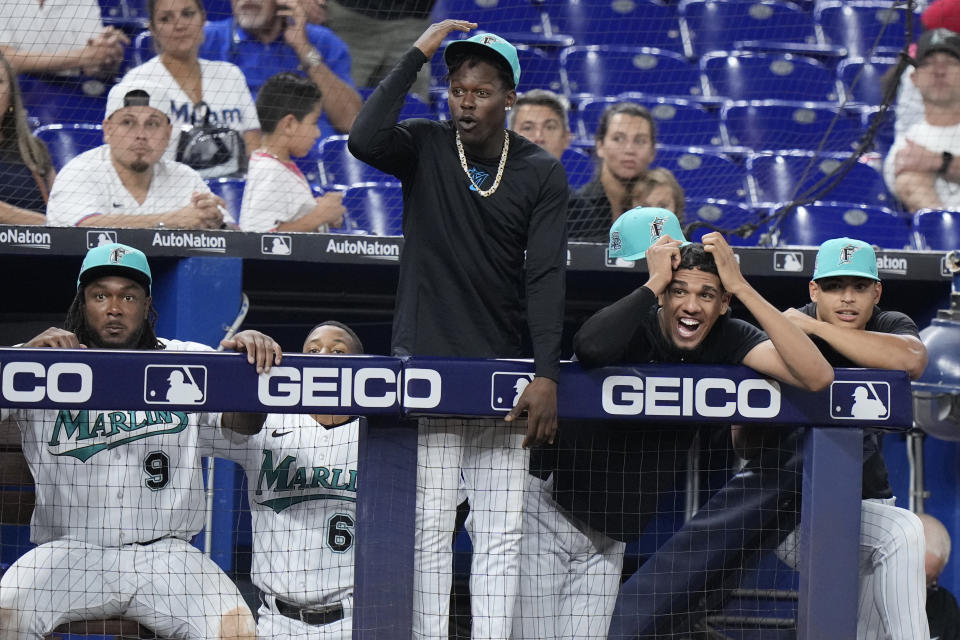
column 174, row 384
column 273, row 245
column 99, row 238
column 788, row 261
column 856, row 400
column 506, row 389
column 616, row 263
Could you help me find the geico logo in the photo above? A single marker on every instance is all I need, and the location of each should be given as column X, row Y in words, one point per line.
column 328, row 387
column 421, row 388
column 60, row 382
column 706, row 397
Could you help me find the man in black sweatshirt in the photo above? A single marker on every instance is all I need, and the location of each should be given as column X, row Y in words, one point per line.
column 485, row 245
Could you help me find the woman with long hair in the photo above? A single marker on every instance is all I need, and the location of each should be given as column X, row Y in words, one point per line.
column 26, row 172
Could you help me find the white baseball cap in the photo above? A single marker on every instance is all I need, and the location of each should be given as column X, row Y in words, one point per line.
column 135, row 93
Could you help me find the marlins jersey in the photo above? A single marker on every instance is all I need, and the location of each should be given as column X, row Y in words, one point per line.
column 115, row 477
column 302, row 489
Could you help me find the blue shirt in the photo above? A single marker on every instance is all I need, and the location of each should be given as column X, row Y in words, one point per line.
column 226, row 41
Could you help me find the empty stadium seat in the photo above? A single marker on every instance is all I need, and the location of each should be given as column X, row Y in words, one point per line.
column 863, row 78
column 613, row 22
column 768, row 76
column 777, row 178
column 703, row 173
column 936, row 230
column 724, row 26
column 679, row 121
column 519, row 21
column 724, row 215
column 231, row 190
column 376, row 208
column 857, row 25
column 124, row 14
column 143, row 48
column 775, row 124
column 609, row 70
column 811, row 225
column 886, row 131
column 578, row 166
column 413, row 105
column 338, row 167
column 66, row 141
column 61, row 99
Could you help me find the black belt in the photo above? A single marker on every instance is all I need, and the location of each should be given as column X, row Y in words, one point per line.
column 313, row 617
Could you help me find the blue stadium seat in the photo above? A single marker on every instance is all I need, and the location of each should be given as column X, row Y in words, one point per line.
column 60, row 99
column 143, row 48
column 774, row 124
column 811, row 225
column 218, row 9
column 703, row 173
column 767, row 76
column 857, row 24
column 774, row 177
column 538, row 69
column 579, row 167
column 608, row 70
column 519, row 21
column 862, row 78
column 679, row 121
column 936, row 230
column 231, row 190
column 725, row 26
column 66, row 141
column 724, row 215
column 612, row 22
column 376, row 208
column 413, row 105
column 338, row 167
column 124, row 14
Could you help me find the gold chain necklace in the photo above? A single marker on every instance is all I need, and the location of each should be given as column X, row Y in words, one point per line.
column 503, row 163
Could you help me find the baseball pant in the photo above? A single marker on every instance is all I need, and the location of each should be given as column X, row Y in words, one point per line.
column 168, row 586
column 570, row 572
column 893, row 589
column 271, row 624
column 494, row 469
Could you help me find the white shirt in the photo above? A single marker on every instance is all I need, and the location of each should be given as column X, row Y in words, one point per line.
column 89, row 185
column 90, row 470
column 302, row 487
column 224, row 89
column 54, row 27
column 936, row 139
column 276, row 192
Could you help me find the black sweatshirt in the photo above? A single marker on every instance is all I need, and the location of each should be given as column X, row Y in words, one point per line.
column 462, row 271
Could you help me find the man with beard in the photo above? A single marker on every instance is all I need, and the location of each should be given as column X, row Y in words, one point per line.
column 126, row 182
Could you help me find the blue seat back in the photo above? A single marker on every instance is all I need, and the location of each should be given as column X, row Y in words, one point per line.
column 814, row 224
column 766, row 76
column 774, row 179
column 936, row 230
column 720, row 26
column 771, row 125
column 723, row 214
column 612, row 22
column 231, row 190
column 376, row 208
column 67, row 141
column 678, row 121
column 338, row 167
column 610, row 70
column 863, row 78
column 702, row 173
column 143, row 48
column 858, row 24
column 578, row 166
column 63, row 99
column 512, row 19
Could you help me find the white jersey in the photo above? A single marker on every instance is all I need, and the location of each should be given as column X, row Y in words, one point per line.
column 115, row 477
column 51, row 27
column 302, row 481
column 933, row 138
column 276, row 192
column 224, row 89
column 89, row 185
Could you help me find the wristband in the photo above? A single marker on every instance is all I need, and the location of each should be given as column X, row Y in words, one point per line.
column 947, row 159
column 312, row 59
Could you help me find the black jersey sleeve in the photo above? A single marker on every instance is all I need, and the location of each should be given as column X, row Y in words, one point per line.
column 616, row 333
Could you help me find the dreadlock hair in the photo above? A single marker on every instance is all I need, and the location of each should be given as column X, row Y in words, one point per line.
column 76, row 323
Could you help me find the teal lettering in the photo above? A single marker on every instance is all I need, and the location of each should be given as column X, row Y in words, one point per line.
column 273, row 476
column 71, row 426
column 118, row 420
column 352, row 485
column 335, row 480
column 299, row 479
column 320, row 478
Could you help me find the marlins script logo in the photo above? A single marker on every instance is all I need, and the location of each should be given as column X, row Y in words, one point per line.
column 83, row 434
column 288, row 482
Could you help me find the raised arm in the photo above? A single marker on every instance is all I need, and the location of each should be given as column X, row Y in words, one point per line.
column 789, row 355
column 262, row 352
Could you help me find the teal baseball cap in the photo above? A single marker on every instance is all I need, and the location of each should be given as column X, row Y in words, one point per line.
column 487, row 42
column 116, row 259
column 846, row 257
column 635, row 230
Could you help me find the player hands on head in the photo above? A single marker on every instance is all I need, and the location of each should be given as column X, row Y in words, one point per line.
column 130, row 502
column 304, row 524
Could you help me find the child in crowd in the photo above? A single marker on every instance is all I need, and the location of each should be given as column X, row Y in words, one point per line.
column 277, row 196
column 659, row 188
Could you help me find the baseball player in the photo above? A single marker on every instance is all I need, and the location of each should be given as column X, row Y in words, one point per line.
column 483, row 264
column 120, row 493
column 302, row 480
column 603, row 485
column 851, row 331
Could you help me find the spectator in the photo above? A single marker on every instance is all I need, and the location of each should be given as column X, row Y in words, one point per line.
column 26, row 173
column 660, row 188
column 177, row 28
column 267, row 36
column 277, row 196
column 919, row 168
column 126, row 182
column 943, row 614
column 303, row 536
column 541, row 116
column 378, row 32
column 52, row 36
column 625, row 145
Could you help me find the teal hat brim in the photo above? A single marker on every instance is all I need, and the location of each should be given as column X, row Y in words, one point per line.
column 483, row 49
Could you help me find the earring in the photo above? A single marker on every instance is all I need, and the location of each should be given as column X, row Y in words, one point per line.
column 508, row 108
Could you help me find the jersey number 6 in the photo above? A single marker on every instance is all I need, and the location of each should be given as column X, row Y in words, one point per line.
column 340, row 532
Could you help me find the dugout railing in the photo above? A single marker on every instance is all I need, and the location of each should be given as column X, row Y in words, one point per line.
column 392, row 393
